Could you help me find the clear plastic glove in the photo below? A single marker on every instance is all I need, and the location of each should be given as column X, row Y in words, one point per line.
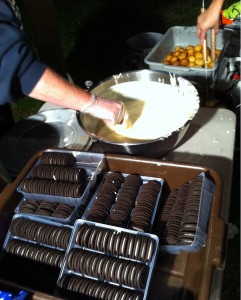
column 111, row 111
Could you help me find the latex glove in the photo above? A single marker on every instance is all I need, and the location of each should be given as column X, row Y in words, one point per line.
column 111, row 111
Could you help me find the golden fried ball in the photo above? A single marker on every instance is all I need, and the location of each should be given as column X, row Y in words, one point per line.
column 199, row 62
column 182, row 55
column 190, row 51
column 176, row 63
column 181, row 49
column 177, row 48
column 191, row 64
column 198, row 48
column 190, row 47
column 192, row 58
column 168, row 57
column 210, row 64
column 198, row 55
column 184, row 62
column 173, row 59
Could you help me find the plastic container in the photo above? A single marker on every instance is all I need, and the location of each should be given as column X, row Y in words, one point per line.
column 111, row 271
column 38, row 240
column 206, row 197
column 172, row 277
column 144, row 179
column 184, row 36
column 91, row 162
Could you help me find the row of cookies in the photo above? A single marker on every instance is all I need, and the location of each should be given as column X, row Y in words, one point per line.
column 126, row 200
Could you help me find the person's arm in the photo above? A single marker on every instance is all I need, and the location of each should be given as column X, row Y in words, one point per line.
column 22, row 74
column 209, row 19
column 53, row 88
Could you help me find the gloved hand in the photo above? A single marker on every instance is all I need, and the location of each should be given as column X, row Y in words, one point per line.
column 111, row 111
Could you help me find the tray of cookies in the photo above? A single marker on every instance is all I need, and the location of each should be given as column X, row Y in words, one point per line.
column 59, row 183
column 64, row 211
column 171, row 275
column 102, row 260
column 183, row 220
column 126, row 200
column 37, row 240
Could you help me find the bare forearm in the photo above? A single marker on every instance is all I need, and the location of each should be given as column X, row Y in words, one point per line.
column 209, row 19
column 55, row 89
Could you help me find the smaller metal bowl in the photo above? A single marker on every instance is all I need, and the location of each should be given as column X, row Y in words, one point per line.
column 154, row 147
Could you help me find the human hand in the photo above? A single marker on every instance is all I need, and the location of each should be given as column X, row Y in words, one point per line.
column 206, row 21
column 111, row 111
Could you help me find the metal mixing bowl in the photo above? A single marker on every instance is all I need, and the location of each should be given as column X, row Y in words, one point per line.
column 150, row 148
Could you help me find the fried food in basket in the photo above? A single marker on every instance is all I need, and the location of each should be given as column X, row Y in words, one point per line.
column 191, row 56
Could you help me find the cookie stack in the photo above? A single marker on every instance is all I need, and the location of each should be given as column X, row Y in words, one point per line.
column 120, row 243
column 105, row 198
column 142, row 216
column 126, row 201
column 56, row 175
column 103, row 262
column 41, row 232
column 38, row 241
column 46, row 208
column 35, row 252
column 97, row 289
column 179, row 216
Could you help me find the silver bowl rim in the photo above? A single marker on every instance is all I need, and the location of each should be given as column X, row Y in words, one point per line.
column 121, row 77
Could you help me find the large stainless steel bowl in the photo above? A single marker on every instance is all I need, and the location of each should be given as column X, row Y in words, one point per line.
column 150, row 148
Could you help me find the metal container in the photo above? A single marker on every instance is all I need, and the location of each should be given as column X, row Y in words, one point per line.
column 151, row 148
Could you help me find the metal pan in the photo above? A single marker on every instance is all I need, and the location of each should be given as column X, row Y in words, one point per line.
column 152, row 148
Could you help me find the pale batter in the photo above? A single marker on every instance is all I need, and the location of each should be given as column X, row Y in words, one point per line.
column 155, row 110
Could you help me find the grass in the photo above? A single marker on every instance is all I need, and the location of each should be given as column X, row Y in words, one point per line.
column 93, row 35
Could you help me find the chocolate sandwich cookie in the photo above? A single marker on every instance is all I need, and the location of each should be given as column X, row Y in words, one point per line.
column 125, row 201
column 63, row 211
column 35, row 252
column 28, row 206
column 142, row 215
column 58, row 158
column 60, row 173
column 105, row 198
column 52, row 187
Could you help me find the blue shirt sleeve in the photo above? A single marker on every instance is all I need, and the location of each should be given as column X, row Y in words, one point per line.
column 19, row 68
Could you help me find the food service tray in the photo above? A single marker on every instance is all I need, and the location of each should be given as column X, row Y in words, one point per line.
column 184, row 36
column 144, row 179
column 92, row 163
column 201, row 224
column 172, row 276
column 109, row 250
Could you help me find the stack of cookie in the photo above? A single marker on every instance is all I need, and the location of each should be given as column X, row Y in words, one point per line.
column 46, row 208
column 38, row 241
column 56, row 175
column 126, row 201
column 102, row 260
column 179, row 216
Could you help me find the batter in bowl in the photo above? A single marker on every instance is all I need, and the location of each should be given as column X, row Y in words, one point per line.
column 155, row 110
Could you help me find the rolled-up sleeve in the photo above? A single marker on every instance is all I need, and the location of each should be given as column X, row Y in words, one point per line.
column 19, row 68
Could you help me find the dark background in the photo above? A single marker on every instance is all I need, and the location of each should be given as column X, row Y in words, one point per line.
column 93, row 36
